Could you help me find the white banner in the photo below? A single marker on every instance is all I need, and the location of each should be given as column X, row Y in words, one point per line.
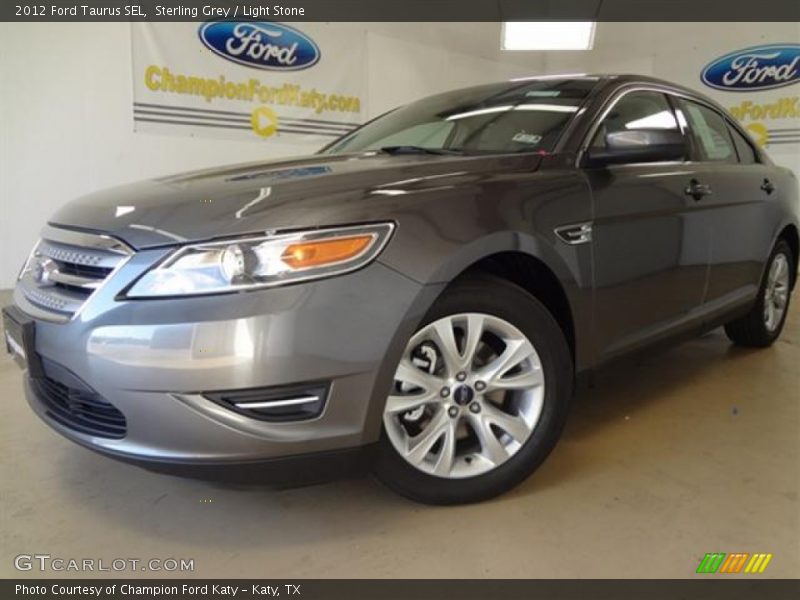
column 284, row 84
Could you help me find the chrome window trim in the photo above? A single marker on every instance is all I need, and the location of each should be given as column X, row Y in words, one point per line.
column 623, row 91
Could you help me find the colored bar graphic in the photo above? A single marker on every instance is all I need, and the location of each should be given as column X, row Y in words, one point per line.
column 758, row 563
column 734, row 562
column 711, row 562
column 741, row 562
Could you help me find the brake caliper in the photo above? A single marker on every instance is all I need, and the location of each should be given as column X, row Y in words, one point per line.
column 425, row 358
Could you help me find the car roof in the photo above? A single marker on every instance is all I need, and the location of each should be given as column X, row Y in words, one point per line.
column 605, row 78
column 609, row 82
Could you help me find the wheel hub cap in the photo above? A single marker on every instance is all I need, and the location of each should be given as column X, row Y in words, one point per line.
column 463, row 395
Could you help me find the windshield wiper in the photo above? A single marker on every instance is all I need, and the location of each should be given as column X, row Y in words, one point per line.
column 395, row 150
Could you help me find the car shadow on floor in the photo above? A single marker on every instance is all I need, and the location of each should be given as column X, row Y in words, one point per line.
column 632, row 386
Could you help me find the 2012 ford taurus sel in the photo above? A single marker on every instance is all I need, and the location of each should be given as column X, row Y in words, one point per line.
column 418, row 297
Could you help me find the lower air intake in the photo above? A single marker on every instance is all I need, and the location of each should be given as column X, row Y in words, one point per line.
column 81, row 410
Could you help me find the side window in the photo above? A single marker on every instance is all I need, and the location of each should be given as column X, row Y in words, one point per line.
column 637, row 110
column 709, row 132
column 744, row 148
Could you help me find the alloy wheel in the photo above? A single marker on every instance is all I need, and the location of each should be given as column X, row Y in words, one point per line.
column 776, row 292
column 467, row 395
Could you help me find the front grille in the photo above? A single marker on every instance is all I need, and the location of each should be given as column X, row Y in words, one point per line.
column 82, row 410
column 66, row 267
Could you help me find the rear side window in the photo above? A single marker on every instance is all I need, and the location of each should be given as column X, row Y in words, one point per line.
column 744, row 148
column 637, row 110
column 709, row 132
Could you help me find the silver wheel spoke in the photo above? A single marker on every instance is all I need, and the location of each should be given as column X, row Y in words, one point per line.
column 447, row 455
column 781, row 267
column 781, row 296
column 776, row 294
column 491, row 448
column 515, row 352
column 408, row 373
column 471, row 340
column 400, row 404
column 420, row 445
column 443, row 333
column 445, row 338
column 525, row 380
column 773, row 271
column 514, row 426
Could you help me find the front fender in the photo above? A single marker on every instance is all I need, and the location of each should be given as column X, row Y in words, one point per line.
column 443, row 233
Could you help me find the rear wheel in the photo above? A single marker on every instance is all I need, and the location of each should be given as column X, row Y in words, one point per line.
column 479, row 398
column 763, row 324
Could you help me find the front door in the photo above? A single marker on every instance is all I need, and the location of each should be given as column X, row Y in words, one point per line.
column 650, row 241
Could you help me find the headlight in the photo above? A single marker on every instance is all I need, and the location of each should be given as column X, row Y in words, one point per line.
column 257, row 262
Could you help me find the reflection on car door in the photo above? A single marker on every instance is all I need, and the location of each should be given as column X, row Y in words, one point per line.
column 650, row 249
column 736, row 208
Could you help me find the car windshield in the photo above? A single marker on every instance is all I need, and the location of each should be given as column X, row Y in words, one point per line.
column 524, row 116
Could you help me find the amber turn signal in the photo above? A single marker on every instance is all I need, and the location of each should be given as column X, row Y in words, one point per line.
column 319, row 253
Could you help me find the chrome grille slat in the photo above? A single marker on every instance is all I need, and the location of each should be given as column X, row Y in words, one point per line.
column 89, row 257
column 60, row 301
column 66, row 268
column 88, row 283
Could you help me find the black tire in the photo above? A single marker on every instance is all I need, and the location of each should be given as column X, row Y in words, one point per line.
column 500, row 298
column 751, row 330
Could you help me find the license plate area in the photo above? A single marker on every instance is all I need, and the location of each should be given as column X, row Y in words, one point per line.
column 19, row 336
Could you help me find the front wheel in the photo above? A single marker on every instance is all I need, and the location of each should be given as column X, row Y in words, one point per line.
column 479, row 398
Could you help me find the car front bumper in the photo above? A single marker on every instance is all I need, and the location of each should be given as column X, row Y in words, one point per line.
column 155, row 361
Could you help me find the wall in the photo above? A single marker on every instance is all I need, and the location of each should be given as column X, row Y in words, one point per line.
column 678, row 52
column 67, row 128
column 65, row 94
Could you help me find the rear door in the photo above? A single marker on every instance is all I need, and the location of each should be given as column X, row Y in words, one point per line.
column 737, row 206
column 650, row 242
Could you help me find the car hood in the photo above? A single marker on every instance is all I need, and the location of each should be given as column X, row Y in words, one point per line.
column 315, row 191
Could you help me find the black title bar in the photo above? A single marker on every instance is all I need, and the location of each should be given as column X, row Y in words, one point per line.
column 401, row 10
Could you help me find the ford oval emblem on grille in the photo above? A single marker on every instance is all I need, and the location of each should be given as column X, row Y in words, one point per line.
column 42, row 269
column 756, row 68
column 261, row 45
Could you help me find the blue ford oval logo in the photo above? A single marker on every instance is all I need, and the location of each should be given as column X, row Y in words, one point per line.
column 756, row 68
column 261, row 45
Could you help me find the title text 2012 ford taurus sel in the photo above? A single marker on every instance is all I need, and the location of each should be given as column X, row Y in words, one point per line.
column 417, row 297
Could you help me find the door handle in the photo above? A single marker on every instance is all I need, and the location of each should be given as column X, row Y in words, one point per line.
column 768, row 186
column 697, row 190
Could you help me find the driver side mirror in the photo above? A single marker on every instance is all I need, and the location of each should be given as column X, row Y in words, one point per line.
column 638, row 146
